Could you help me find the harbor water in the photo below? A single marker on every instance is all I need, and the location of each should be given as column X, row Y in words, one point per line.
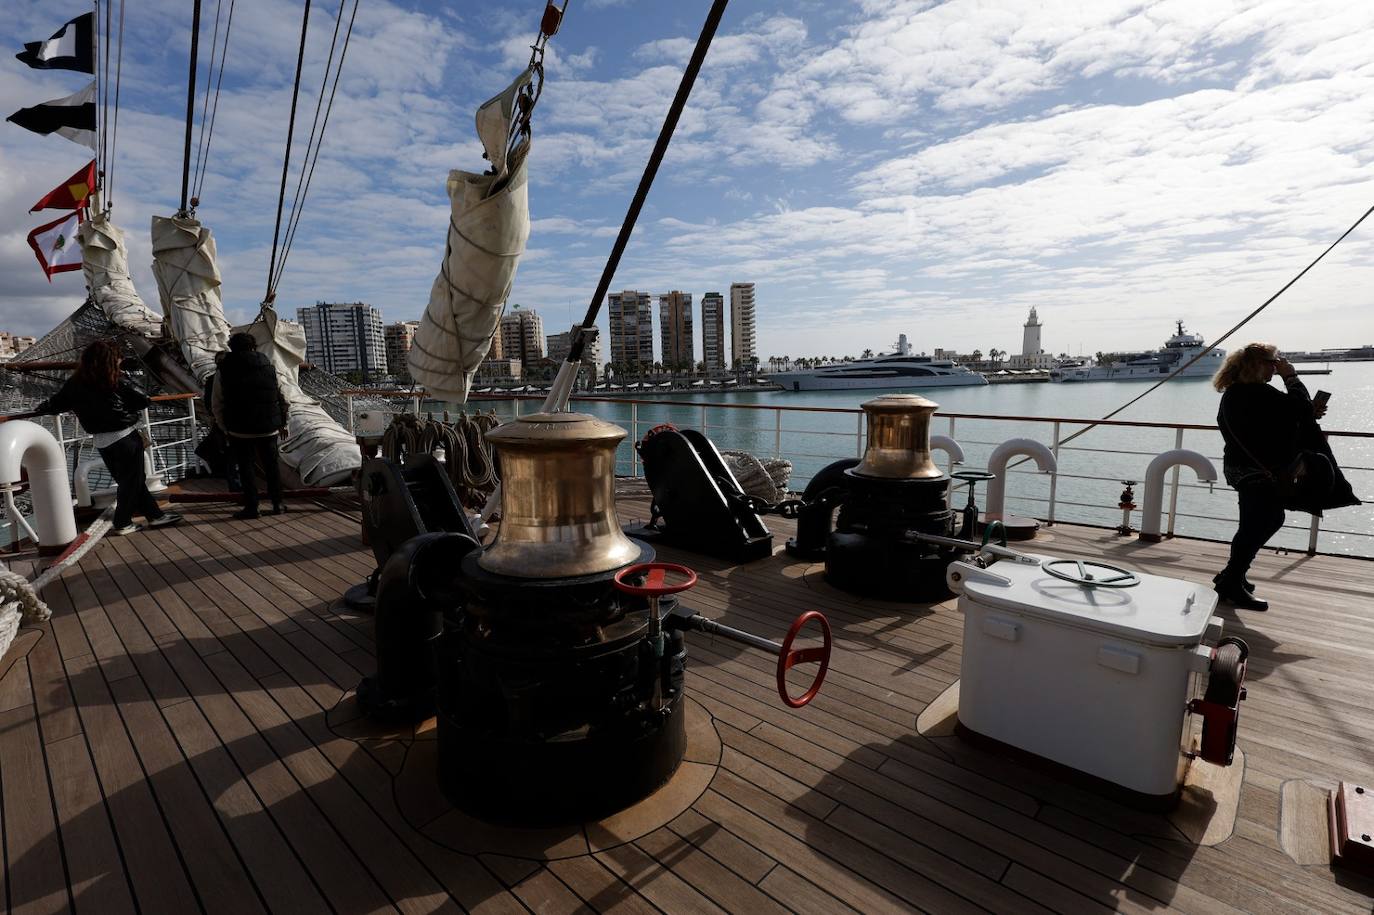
column 1092, row 467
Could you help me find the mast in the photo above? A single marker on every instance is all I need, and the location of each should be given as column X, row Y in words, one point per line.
column 190, row 105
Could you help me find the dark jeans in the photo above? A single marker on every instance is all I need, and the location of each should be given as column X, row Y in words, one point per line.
column 1261, row 516
column 248, row 450
column 124, row 459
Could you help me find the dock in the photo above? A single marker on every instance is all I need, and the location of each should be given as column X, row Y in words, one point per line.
column 182, row 737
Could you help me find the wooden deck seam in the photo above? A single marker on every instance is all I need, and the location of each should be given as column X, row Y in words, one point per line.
column 52, row 796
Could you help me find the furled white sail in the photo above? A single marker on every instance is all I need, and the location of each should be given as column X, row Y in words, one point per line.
column 188, row 282
column 487, row 231
column 321, row 451
column 105, row 263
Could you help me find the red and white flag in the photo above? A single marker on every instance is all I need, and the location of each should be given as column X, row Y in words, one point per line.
column 56, row 246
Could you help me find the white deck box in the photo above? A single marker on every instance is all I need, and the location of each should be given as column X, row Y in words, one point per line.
column 1094, row 678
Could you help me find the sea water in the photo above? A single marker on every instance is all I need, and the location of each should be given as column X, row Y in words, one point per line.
column 1091, row 467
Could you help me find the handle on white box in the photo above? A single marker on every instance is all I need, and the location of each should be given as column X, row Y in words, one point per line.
column 1128, row 662
column 1005, row 630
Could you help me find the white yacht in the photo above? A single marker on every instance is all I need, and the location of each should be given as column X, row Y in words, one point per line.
column 1180, row 349
column 890, row 373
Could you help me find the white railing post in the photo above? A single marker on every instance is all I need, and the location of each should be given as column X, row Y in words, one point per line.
column 348, row 404
column 154, row 480
column 416, row 401
column 1312, row 533
column 516, row 401
column 704, row 420
column 634, row 437
column 1054, row 477
column 777, row 433
column 859, row 436
column 1173, row 484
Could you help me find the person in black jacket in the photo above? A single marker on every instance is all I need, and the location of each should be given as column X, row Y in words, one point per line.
column 108, row 406
column 249, row 406
column 1263, row 429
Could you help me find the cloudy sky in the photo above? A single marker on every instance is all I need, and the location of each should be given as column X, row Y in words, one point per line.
column 874, row 166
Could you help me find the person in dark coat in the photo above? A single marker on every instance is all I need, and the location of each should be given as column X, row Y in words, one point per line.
column 108, row 406
column 1263, row 429
column 218, row 439
column 249, row 406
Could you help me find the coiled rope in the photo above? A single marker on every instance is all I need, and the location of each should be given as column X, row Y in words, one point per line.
column 19, row 600
column 468, row 459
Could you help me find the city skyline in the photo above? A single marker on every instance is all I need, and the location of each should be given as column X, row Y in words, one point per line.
column 933, row 168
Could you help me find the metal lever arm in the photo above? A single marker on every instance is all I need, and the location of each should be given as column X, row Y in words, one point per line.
column 682, row 618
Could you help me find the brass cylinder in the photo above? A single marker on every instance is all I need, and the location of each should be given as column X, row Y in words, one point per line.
column 558, row 517
column 898, row 438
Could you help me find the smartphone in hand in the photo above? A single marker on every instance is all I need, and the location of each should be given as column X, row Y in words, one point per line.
column 1320, row 398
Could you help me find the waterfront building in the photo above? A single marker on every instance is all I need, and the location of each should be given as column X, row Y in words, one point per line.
column 675, row 330
column 632, row 328
column 742, row 344
column 561, row 344
column 498, row 371
column 344, row 337
column 399, row 336
column 713, row 331
column 522, row 336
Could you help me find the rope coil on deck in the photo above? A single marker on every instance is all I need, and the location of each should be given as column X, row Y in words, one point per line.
column 19, row 600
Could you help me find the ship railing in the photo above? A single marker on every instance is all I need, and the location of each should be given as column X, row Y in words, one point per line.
column 173, row 437
column 1086, row 489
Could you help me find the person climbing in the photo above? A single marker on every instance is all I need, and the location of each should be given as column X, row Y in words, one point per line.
column 249, row 406
column 108, row 406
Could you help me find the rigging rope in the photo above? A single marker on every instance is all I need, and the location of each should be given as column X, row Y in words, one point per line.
column 313, row 146
column 286, row 157
column 114, row 126
column 214, row 108
column 205, row 105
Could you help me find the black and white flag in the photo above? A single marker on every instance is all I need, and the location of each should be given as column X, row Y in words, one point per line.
column 71, row 47
column 72, row 117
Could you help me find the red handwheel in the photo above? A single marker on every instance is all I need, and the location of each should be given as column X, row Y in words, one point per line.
column 787, row 658
column 656, row 579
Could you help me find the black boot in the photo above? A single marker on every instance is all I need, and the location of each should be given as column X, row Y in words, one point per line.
column 1238, row 592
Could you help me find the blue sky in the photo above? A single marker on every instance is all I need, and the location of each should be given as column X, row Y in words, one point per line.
column 874, row 167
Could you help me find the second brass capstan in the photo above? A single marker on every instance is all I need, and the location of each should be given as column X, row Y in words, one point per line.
column 898, row 438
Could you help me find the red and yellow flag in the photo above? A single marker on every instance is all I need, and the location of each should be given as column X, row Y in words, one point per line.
column 71, row 194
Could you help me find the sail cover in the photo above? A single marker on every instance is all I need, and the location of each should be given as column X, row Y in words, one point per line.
column 320, row 450
column 105, row 263
column 189, row 284
column 487, row 231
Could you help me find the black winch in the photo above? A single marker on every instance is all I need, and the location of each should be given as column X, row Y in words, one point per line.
column 558, row 673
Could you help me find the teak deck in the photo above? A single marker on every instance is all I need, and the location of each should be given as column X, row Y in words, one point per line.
column 165, row 748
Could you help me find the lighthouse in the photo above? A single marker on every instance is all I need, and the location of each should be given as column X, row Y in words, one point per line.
column 1030, row 338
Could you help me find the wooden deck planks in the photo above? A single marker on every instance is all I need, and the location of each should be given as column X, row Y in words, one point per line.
column 172, row 722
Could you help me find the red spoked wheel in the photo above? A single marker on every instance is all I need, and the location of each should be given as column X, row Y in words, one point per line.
column 656, row 579
column 789, row 658
column 661, row 427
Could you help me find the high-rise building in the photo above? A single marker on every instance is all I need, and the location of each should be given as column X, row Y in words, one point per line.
column 522, row 336
column 742, row 344
column 675, row 330
column 12, row 345
column 632, row 328
column 713, row 331
column 344, row 337
column 561, row 344
column 398, row 339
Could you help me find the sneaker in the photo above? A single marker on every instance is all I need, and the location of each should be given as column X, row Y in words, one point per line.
column 1239, row 598
column 247, row 514
column 165, row 519
column 125, row 530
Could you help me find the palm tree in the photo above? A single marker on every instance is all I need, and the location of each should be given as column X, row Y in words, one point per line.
column 867, row 354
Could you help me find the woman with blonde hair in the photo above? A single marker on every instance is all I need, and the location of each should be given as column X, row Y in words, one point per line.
column 1263, row 428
